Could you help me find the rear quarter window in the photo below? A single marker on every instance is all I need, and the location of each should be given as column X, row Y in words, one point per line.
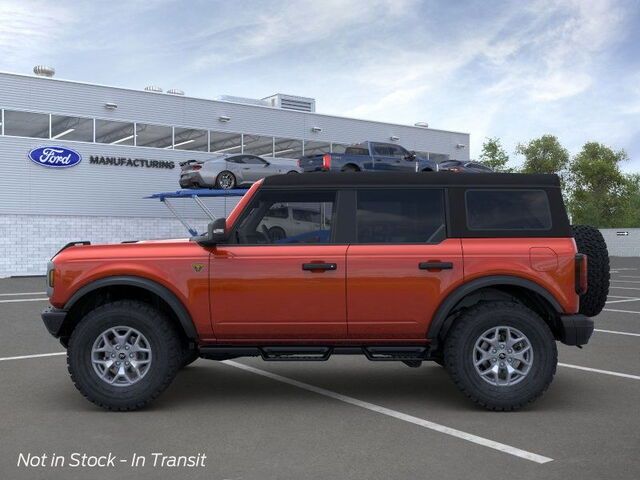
column 507, row 210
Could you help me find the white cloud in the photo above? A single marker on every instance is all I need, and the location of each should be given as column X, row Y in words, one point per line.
column 29, row 28
column 292, row 24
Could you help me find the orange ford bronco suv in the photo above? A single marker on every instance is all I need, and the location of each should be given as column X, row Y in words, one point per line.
column 481, row 273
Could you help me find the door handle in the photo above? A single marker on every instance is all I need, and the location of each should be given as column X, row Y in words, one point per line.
column 319, row 266
column 435, row 265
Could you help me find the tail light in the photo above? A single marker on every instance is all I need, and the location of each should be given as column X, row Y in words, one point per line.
column 326, row 161
column 582, row 283
column 455, row 169
column 197, row 166
column 299, row 163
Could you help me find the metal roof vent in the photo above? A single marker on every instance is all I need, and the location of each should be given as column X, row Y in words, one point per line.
column 153, row 88
column 44, row 71
column 292, row 102
column 243, row 100
column 175, row 91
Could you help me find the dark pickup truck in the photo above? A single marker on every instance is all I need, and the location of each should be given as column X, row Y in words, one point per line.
column 369, row 156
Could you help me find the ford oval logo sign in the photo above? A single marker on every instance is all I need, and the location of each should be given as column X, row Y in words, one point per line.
column 55, row 157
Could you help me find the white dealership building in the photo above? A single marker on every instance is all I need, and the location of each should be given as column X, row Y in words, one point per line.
column 128, row 144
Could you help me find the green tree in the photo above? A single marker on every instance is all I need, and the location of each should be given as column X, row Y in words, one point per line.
column 544, row 155
column 494, row 156
column 601, row 195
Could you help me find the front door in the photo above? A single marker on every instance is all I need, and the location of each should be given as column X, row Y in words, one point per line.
column 276, row 282
column 402, row 264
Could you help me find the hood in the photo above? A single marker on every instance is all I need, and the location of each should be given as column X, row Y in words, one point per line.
column 127, row 249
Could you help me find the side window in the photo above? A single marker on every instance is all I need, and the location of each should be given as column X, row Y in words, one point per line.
column 235, row 160
column 397, row 151
column 507, row 210
column 382, row 150
column 277, row 212
column 400, row 216
column 251, row 160
column 268, row 220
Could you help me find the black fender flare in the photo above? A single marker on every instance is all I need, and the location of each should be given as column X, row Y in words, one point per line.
column 439, row 319
column 161, row 291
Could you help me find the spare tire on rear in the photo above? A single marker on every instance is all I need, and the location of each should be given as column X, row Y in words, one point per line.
column 589, row 241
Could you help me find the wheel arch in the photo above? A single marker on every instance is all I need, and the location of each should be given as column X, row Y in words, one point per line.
column 355, row 166
column 490, row 288
column 128, row 286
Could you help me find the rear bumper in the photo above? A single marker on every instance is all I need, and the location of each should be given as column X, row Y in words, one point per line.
column 53, row 319
column 188, row 180
column 575, row 329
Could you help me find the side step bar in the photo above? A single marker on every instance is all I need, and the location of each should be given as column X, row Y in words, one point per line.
column 318, row 353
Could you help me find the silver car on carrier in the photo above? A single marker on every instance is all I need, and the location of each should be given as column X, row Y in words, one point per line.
column 230, row 171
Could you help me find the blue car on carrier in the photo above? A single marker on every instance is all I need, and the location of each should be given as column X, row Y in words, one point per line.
column 369, row 157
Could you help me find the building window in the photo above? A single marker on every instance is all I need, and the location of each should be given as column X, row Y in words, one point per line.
column 339, row 147
column 223, row 142
column 157, row 136
column 316, row 148
column 190, row 139
column 26, row 124
column 257, row 145
column 287, row 148
column 71, row 128
column 114, row 133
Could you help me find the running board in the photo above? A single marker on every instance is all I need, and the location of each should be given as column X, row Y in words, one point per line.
column 317, row 353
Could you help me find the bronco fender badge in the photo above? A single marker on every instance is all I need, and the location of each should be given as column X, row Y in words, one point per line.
column 197, row 267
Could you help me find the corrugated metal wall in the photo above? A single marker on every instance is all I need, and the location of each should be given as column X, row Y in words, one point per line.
column 622, row 242
column 101, row 190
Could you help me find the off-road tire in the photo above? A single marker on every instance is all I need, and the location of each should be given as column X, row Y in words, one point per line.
column 460, row 343
column 164, row 342
column 589, row 241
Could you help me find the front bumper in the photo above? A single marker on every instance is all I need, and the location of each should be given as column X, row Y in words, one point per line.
column 575, row 329
column 53, row 319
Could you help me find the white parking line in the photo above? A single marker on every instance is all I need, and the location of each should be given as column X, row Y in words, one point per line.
column 616, row 332
column 628, row 276
column 596, row 370
column 626, row 281
column 624, row 288
column 619, row 311
column 622, row 301
column 39, row 355
column 22, row 293
column 17, row 300
column 398, row 415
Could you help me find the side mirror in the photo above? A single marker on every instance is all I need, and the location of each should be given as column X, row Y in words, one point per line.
column 216, row 233
column 266, row 164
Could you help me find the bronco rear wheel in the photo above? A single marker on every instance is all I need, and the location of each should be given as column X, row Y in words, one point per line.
column 501, row 355
column 124, row 354
column 589, row 241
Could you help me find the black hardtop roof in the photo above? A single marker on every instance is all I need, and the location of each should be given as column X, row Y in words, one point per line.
column 337, row 179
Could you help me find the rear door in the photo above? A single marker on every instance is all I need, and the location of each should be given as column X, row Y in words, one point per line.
column 402, row 263
column 281, row 287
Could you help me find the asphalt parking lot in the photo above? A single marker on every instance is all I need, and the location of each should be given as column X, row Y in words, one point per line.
column 347, row 418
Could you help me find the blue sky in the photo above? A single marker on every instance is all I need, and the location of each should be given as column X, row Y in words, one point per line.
column 510, row 69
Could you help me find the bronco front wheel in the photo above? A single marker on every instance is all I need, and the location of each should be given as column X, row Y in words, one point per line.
column 124, row 354
column 502, row 355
